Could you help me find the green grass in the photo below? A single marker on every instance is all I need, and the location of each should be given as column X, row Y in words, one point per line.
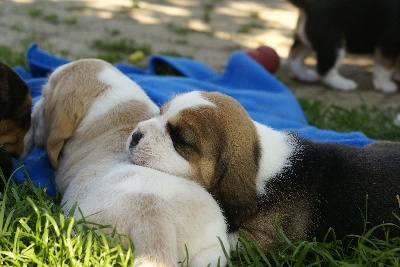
column 369, row 120
column 116, row 50
column 34, row 232
column 11, row 57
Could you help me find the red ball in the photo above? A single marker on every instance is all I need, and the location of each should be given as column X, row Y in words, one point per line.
column 266, row 57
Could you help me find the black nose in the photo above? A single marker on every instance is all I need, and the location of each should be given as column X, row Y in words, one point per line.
column 136, row 136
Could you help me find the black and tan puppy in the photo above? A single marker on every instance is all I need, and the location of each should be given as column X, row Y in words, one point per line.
column 330, row 27
column 15, row 116
column 257, row 173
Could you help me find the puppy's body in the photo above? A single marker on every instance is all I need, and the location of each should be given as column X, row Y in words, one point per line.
column 15, row 112
column 257, row 173
column 5, row 165
column 87, row 111
column 329, row 27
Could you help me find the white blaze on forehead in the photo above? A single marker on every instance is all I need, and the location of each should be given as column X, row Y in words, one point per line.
column 122, row 89
column 184, row 101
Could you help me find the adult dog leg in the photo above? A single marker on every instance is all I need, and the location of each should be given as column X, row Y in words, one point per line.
column 298, row 53
column 329, row 60
column 385, row 65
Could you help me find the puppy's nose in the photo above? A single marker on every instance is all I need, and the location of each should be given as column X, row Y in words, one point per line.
column 136, row 136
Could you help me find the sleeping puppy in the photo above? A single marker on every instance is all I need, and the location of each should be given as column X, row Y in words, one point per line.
column 258, row 174
column 15, row 117
column 328, row 27
column 86, row 114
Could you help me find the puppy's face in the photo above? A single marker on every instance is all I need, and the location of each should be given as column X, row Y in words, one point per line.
column 15, row 110
column 206, row 137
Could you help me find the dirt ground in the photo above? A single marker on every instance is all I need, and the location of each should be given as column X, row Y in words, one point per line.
column 207, row 30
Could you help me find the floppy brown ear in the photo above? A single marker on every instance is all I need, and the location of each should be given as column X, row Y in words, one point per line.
column 237, row 184
column 61, row 124
column 62, row 118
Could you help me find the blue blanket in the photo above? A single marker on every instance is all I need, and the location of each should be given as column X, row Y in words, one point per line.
column 266, row 99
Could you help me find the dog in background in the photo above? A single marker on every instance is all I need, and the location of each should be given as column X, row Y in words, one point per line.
column 329, row 27
column 256, row 173
column 15, row 117
column 83, row 120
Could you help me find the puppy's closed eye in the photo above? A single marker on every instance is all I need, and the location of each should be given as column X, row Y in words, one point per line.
column 183, row 139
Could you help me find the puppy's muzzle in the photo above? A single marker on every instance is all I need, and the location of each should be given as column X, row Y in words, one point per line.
column 136, row 136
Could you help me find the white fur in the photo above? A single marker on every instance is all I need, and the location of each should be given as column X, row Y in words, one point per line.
column 383, row 79
column 122, row 88
column 334, row 80
column 156, row 149
column 276, row 149
column 161, row 213
column 35, row 134
column 189, row 100
column 299, row 70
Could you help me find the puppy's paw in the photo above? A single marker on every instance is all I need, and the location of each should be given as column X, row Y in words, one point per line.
column 148, row 261
column 212, row 257
column 302, row 73
column 335, row 81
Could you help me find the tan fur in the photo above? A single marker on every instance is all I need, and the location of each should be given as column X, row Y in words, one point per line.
column 63, row 117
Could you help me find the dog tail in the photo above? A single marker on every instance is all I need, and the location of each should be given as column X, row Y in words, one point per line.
column 300, row 3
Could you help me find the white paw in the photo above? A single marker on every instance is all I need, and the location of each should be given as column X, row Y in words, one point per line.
column 383, row 79
column 335, row 81
column 308, row 75
column 211, row 257
column 397, row 120
column 386, row 86
column 301, row 73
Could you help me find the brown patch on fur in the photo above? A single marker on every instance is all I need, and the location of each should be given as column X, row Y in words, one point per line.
column 291, row 216
column 227, row 169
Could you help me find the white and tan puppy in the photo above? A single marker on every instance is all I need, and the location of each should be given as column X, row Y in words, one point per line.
column 257, row 173
column 86, row 114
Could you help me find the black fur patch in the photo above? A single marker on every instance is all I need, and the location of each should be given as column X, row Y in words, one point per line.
column 363, row 25
column 6, row 167
column 13, row 93
column 342, row 184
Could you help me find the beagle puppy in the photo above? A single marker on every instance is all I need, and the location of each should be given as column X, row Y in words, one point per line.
column 259, row 175
column 331, row 27
column 15, row 117
column 83, row 120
